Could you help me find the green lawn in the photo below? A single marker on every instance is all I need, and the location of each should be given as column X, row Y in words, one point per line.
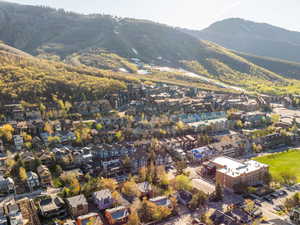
column 283, row 162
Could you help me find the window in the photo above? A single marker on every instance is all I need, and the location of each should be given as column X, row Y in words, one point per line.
column 80, row 207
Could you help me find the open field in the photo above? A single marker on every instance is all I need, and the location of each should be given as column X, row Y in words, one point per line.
column 283, row 162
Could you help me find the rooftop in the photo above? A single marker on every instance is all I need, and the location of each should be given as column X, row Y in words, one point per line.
column 235, row 168
column 118, row 212
column 77, row 200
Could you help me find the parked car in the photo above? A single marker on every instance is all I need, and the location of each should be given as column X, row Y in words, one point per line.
column 275, row 195
column 296, row 186
column 279, row 208
column 268, row 199
column 290, row 189
column 282, row 193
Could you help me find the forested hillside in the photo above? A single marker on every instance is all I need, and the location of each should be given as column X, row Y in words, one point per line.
column 87, row 52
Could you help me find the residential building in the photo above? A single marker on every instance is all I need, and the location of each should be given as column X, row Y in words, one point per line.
column 162, row 201
column 32, row 180
column 3, row 218
column 103, row 199
column 83, row 220
column 28, row 211
column 295, row 216
column 145, row 189
column 18, row 141
column 7, row 185
column 45, row 176
column 52, row 207
column 77, row 205
column 221, row 218
column 231, row 172
column 184, row 197
column 14, row 214
column 118, row 215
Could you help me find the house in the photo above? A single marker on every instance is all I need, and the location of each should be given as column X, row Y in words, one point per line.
column 103, row 199
column 230, row 149
column 14, row 112
column 45, row 176
column 32, row 180
column 241, row 216
column 14, row 214
column 83, row 156
column 118, row 215
column 200, row 154
column 69, row 222
column 52, row 207
column 18, row 141
column 3, row 218
column 295, row 216
column 184, row 197
column 85, row 219
column 221, row 218
column 77, row 205
column 145, row 189
column 7, row 185
column 28, row 211
column 139, row 160
column 162, row 201
column 272, row 140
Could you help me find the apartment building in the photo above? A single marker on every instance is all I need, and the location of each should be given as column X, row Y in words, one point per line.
column 231, row 172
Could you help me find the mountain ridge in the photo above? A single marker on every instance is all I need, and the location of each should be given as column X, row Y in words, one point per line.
column 260, row 39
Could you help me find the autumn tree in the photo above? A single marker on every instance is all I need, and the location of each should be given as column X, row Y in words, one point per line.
column 182, row 182
column 130, row 189
column 142, row 174
column 48, row 128
column 198, row 200
column 152, row 212
column 108, row 183
column 6, row 131
column 133, row 218
column 22, row 174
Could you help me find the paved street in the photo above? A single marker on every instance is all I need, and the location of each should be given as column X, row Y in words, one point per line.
column 270, row 213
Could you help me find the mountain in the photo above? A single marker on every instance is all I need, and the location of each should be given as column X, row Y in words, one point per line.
column 73, row 49
column 63, row 33
column 259, row 39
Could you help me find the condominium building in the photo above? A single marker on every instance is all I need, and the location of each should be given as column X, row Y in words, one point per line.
column 231, row 172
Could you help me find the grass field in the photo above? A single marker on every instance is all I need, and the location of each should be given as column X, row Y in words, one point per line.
column 283, row 162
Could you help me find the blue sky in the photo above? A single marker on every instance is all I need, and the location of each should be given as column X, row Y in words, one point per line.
column 196, row 14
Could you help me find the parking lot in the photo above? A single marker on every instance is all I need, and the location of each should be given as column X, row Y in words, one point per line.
column 271, row 204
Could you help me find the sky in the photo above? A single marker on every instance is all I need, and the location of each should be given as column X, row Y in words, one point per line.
column 193, row 14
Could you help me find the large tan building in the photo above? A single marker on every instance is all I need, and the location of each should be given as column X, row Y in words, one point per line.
column 231, row 172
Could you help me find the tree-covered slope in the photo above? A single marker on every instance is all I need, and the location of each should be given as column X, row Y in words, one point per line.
column 101, row 45
column 38, row 30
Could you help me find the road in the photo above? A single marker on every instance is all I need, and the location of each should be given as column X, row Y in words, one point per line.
column 270, row 213
column 206, row 79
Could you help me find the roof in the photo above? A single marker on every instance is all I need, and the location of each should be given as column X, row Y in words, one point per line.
column 85, row 219
column 144, row 187
column 32, row 175
column 234, row 168
column 105, row 193
column 118, row 212
column 161, row 200
column 47, row 205
column 77, row 200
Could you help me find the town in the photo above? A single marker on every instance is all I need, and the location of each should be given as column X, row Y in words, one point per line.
column 151, row 154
